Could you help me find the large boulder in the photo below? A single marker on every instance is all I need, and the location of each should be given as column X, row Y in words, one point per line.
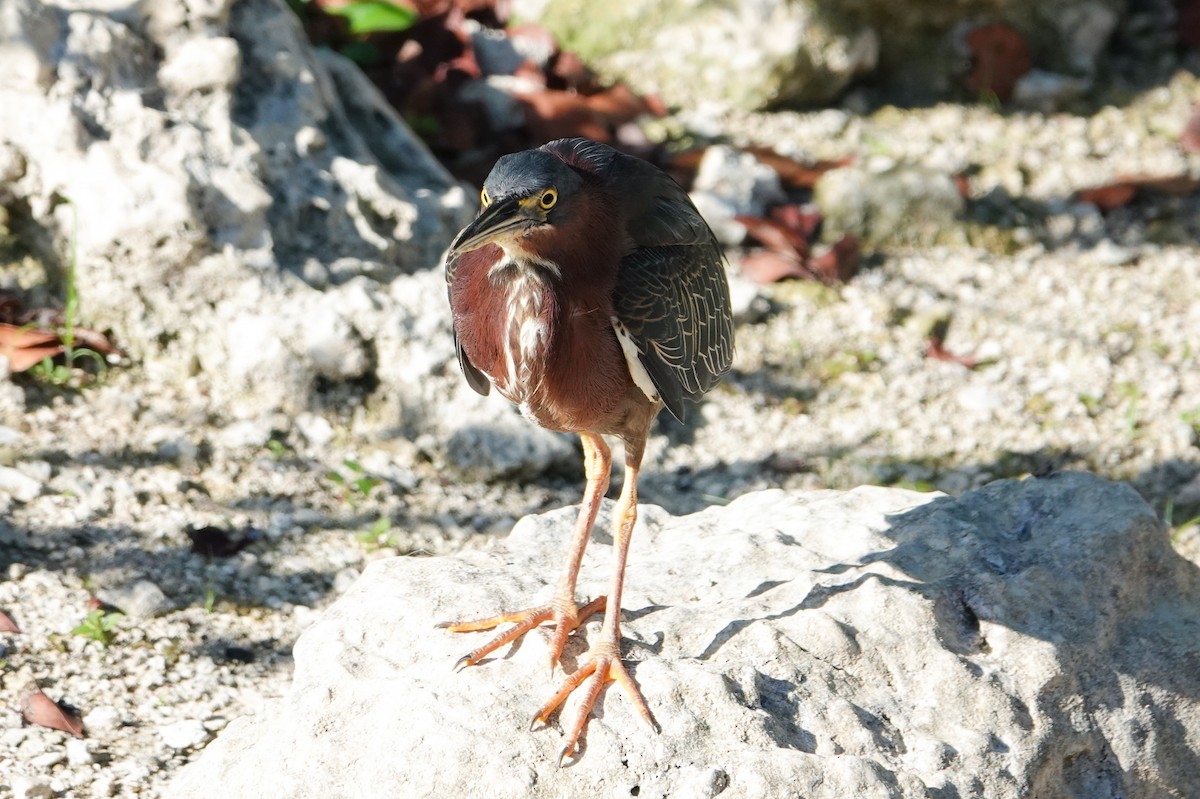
column 253, row 223
column 1033, row 638
column 782, row 52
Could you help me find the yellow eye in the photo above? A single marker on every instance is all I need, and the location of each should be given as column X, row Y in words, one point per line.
column 485, row 198
column 548, row 199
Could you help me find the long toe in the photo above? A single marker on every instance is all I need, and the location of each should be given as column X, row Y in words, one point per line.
column 601, row 666
column 564, row 616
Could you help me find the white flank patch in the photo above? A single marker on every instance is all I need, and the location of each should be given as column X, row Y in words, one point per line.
column 641, row 378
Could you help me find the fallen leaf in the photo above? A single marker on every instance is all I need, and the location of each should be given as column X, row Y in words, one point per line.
column 25, row 347
column 769, row 266
column 1190, row 138
column 838, row 262
column 39, row 709
column 804, row 219
column 7, row 625
column 553, row 114
column 1108, row 196
column 999, row 57
column 1121, row 191
column 793, row 173
column 775, row 236
column 935, row 346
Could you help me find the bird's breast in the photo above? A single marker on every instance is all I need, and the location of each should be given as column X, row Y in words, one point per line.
column 551, row 351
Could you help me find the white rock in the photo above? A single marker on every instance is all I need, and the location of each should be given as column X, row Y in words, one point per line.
column 316, row 430
column 19, row 485
column 142, row 599
column 876, row 642
column 78, row 753
column 202, row 63
column 183, row 734
column 25, row 787
column 730, row 182
column 102, row 718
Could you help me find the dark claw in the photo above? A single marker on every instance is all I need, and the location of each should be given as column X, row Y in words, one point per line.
column 462, row 663
column 441, row 625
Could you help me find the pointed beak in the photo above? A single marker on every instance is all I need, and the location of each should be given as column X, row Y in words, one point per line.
column 500, row 219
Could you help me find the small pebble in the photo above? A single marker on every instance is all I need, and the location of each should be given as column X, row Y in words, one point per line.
column 102, row 717
column 24, row 787
column 183, row 734
column 78, row 753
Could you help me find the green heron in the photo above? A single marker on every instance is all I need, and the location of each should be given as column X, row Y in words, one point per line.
column 590, row 292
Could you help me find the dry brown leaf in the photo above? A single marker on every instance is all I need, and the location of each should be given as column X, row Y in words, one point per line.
column 793, row 173
column 775, row 236
column 7, row 625
column 1190, row 138
column 838, row 262
column 25, row 347
column 1121, row 191
column 39, row 709
column 769, row 266
column 803, row 219
column 1108, row 196
column 554, row 114
column 999, row 57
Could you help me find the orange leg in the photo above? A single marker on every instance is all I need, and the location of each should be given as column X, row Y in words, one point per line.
column 602, row 663
column 561, row 610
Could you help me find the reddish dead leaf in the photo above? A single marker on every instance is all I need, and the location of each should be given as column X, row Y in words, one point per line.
column 999, row 57
column 775, row 236
column 1176, row 185
column 7, row 625
column 839, row 262
column 25, row 347
column 1121, row 191
column 39, row 709
column 963, row 184
column 793, row 173
column 804, row 219
column 1190, row 138
column 935, row 346
column 554, row 114
column 1108, row 196
column 769, row 266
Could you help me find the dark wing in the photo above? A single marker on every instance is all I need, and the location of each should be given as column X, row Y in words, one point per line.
column 674, row 301
column 672, row 294
column 475, row 378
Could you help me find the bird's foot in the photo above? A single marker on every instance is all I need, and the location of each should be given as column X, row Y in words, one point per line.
column 601, row 665
column 562, row 613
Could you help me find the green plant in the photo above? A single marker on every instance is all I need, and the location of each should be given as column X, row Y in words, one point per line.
column 99, row 625
column 1192, row 419
column 278, row 449
column 364, row 18
column 1091, row 403
column 355, row 484
column 1132, row 392
column 210, row 598
column 65, row 373
column 378, row 535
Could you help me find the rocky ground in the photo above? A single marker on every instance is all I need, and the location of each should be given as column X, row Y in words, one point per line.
column 1083, row 326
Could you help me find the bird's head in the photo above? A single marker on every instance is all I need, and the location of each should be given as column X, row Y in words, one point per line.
column 526, row 191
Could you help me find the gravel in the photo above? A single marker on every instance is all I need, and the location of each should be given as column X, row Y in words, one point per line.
column 1084, row 326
